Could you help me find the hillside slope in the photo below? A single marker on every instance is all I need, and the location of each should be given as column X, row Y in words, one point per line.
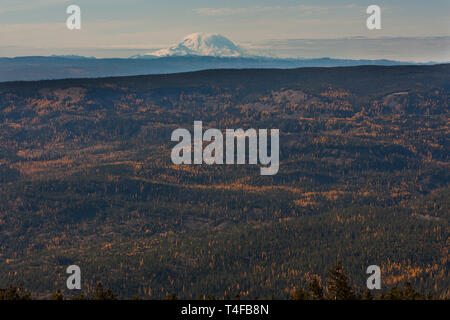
column 86, row 179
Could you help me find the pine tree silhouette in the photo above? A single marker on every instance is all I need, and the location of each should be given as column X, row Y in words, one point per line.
column 315, row 290
column 338, row 284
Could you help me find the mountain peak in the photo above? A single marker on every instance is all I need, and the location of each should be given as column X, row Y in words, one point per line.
column 202, row 44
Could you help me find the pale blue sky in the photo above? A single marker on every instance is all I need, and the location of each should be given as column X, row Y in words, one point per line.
column 121, row 28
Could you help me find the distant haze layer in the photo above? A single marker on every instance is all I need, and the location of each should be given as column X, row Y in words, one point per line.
column 420, row 49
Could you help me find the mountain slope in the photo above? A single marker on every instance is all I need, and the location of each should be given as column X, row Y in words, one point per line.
column 43, row 68
column 202, row 44
column 86, row 179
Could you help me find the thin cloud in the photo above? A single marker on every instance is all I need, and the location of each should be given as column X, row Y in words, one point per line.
column 416, row 49
column 25, row 6
column 227, row 11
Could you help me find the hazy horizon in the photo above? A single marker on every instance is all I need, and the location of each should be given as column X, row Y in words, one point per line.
column 411, row 30
column 421, row 50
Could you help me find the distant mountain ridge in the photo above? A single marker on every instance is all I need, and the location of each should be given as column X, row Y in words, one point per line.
column 62, row 67
column 197, row 51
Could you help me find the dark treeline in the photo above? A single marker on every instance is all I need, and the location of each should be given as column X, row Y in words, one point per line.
column 338, row 287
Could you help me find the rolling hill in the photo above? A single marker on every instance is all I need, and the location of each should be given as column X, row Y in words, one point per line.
column 86, row 179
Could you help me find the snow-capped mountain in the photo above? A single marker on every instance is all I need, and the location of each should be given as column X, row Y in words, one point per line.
column 202, row 44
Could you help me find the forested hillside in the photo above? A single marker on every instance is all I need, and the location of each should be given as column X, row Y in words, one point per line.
column 86, row 178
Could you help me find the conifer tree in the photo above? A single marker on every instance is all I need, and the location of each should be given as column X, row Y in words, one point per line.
column 300, row 294
column 393, row 294
column 315, row 290
column 338, row 284
column 367, row 295
column 172, row 296
column 15, row 293
column 57, row 295
column 410, row 294
column 101, row 293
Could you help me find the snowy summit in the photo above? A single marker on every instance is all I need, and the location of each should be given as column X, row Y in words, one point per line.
column 202, row 44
